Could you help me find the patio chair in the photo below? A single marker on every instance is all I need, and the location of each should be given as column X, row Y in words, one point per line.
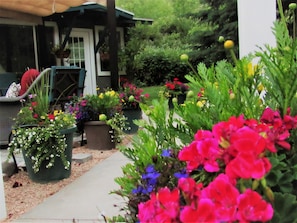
column 64, row 82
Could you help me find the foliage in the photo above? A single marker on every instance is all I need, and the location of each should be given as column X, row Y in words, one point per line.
column 216, row 18
column 90, row 107
column 156, row 135
column 238, row 145
column 153, row 52
column 130, row 95
column 37, row 130
column 281, row 69
column 102, row 107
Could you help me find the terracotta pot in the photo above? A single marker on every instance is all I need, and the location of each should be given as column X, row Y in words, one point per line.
column 99, row 135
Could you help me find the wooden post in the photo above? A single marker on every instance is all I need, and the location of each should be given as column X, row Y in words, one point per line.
column 113, row 44
column 255, row 21
column 2, row 196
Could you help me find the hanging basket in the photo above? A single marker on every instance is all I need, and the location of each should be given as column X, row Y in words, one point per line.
column 62, row 53
column 104, row 56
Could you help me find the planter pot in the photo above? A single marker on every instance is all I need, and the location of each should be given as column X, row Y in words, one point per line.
column 132, row 114
column 99, row 135
column 180, row 100
column 57, row 171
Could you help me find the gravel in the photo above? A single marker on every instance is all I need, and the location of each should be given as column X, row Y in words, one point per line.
column 22, row 194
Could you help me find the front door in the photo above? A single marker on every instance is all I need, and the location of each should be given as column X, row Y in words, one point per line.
column 82, row 55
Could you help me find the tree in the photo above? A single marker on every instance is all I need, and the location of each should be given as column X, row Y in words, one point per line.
column 216, row 18
column 152, row 9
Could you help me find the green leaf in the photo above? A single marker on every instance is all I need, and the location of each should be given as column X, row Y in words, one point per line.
column 285, row 206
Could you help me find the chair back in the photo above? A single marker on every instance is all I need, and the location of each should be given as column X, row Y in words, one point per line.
column 66, row 81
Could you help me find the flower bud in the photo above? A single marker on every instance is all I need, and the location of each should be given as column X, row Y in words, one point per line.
column 221, row 39
column 269, row 193
column 184, row 57
column 102, row 117
column 255, row 184
column 174, row 100
column 229, row 44
column 292, row 6
column 190, row 94
column 131, row 98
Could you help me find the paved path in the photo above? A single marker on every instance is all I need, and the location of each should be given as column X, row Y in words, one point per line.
column 84, row 199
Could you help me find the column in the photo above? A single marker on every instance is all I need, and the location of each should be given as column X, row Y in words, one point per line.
column 255, row 22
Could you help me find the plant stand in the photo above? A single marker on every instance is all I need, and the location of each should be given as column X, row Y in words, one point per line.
column 99, row 135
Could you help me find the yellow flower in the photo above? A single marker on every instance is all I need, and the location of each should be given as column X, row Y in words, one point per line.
column 201, row 103
column 57, row 112
column 101, row 96
column 260, row 87
column 252, row 69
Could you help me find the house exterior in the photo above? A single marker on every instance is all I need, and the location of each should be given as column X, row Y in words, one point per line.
column 27, row 42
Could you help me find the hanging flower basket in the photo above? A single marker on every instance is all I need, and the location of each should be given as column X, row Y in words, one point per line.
column 104, row 56
column 62, row 53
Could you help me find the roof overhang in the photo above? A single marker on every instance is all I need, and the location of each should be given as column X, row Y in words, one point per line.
column 43, row 7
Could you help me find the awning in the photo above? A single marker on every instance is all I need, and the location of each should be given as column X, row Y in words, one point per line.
column 42, row 7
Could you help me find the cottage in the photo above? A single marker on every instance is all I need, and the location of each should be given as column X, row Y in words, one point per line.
column 85, row 32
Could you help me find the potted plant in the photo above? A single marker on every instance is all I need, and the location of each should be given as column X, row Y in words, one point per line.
column 45, row 137
column 61, row 52
column 175, row 91
column 130, row 98
column 99, row 116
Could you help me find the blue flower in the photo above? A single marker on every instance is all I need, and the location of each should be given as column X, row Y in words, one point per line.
column 166, row 153
column 182, row 174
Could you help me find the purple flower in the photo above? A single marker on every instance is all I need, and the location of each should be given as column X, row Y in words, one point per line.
column 166, row 153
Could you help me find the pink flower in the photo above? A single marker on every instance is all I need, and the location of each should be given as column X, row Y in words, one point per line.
column 163, row 206
column 203, row 213
column 251, row 207
column 223, row 193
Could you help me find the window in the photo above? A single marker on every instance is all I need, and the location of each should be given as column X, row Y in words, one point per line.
column 103, row 52
column 17, row 48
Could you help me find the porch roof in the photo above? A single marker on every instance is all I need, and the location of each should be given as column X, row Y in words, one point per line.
column 43, row 7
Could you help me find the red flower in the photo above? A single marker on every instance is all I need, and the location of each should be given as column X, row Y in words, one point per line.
column 203, row 213
column 33, row 103
column 223, row 193
column 35, row 116
column 251, row 207
column 162, row 207
column 51, row 116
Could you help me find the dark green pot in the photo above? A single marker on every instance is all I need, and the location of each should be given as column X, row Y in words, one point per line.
column 57, row 171
column 180, row 100
column 132, row 114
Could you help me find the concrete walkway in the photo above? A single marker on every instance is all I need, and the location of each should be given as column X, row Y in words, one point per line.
column 86, row 198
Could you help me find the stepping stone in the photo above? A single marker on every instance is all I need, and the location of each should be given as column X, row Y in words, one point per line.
column 81, row 157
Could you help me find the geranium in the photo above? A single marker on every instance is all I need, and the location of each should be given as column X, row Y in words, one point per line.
column 237, row 150
column 176, row 87
column 131, row 95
